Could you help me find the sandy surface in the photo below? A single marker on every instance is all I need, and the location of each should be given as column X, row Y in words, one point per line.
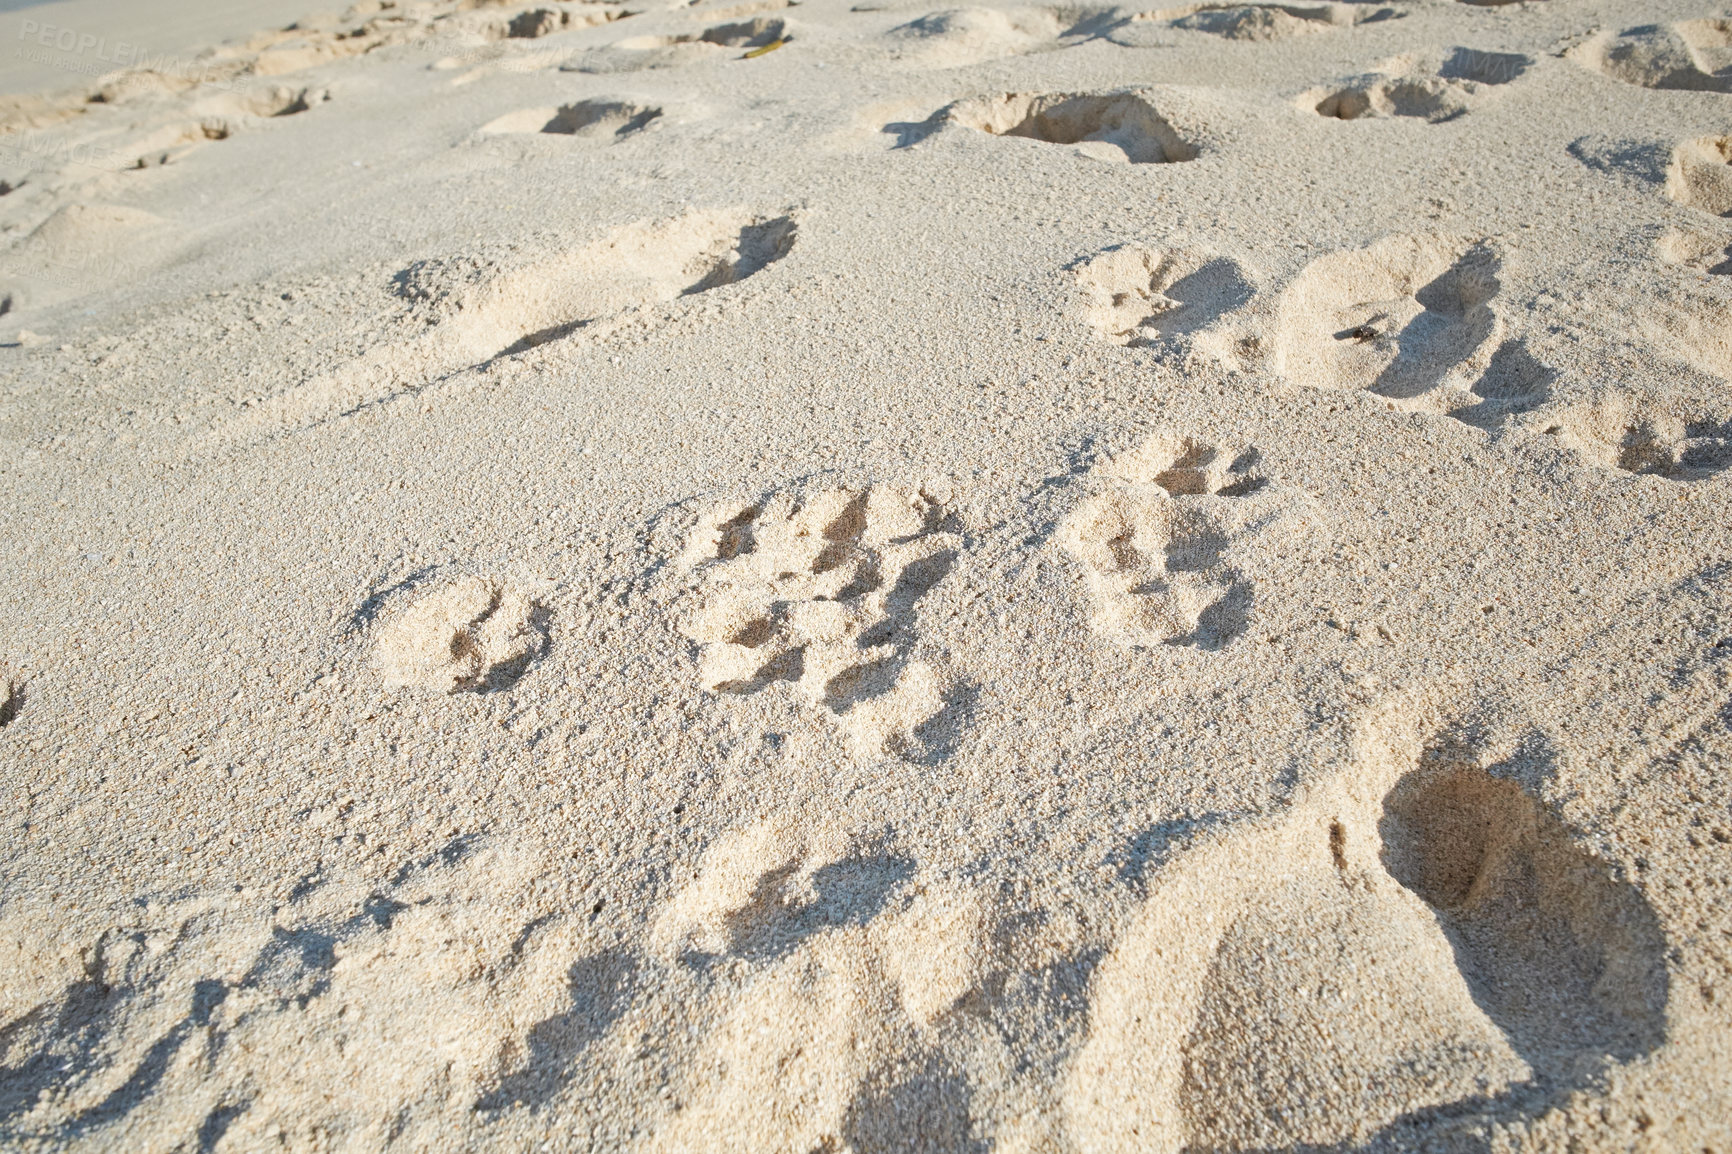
column 749, row 577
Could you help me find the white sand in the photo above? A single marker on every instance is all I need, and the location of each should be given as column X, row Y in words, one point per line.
column 1033, row 579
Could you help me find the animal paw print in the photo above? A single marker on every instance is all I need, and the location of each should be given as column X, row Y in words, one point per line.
column 821, row 591
column 1140, row 296
column 473, row 634
column 1153, row 545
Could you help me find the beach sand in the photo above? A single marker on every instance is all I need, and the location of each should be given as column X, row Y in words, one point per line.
column 854, row 577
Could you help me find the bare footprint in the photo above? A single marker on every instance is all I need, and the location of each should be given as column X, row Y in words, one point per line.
column 1691, row 444
column 1706, row 252
column 1114, row 126
column 1485, row 964
column 587, row 291
column 1154, row 545
column 1245, row 22
column 1692, row 56
column 837, row 963
column 473, row 634
column 1138, row 296
column 1700, row 174
column 1404, row 318
column 1420, row 87
column 956, row 37
column 820, row 591
column 646, row 53
column 599, row 118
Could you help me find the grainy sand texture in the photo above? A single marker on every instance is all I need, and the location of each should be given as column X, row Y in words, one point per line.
column 751, row 576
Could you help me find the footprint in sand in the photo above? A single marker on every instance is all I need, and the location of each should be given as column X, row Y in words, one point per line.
column 1706, row 252
column 1684, row 432
column 1277, row 21
column 1515, row 382
column 1676, row 442
column 1139, row 296
column 1156, row 544
column 472, row 634
column 1677, row 448
column 1112, row 126
column 643, row 53
column 1700, row 174
column 1693, row 326
column 1417, row 87
column 155, row 1017
column 594, row 119
column 219, row 118
column 1409, row 319
column 1419, row 941
column 960, row 36
column 838, row 968
column 820, row 591
column 538, row 22
column 1691, row 56
column 1244, row 22
column 468, row 315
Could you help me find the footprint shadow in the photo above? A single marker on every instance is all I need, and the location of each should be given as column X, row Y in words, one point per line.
column 1562, row 955
column 1453, row 322
column 1514, row 382
column 849, row 892
column 1202, row 297
column 926, row 1110
column 599, row 988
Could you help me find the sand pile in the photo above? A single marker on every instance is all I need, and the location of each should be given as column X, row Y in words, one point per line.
column 860, row 576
